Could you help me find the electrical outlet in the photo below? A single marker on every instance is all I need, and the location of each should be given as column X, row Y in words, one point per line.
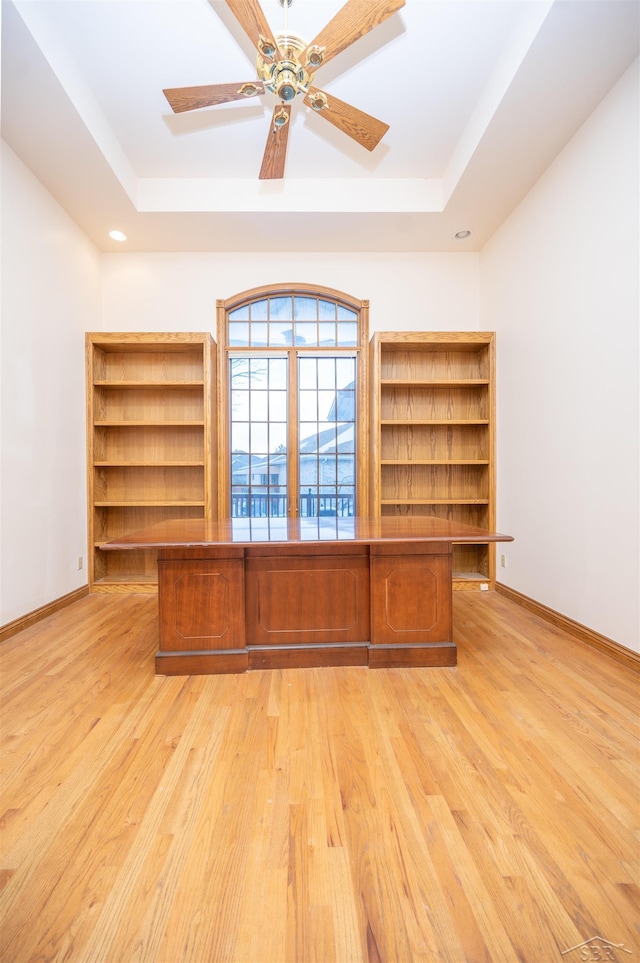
column 80, row 562
column 503, row 561
column 484, row 587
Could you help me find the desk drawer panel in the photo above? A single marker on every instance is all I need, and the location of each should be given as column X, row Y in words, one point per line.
column 307, row 600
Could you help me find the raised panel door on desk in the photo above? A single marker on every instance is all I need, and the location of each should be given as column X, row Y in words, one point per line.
column 307, row 600
column 408, row 602
column 411, row 612
column 201, row 604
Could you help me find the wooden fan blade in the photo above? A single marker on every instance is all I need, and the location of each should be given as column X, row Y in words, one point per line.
column 249, row 15
column 361, row 127
column 354, row 20
column 191, row 98
column 275, row 151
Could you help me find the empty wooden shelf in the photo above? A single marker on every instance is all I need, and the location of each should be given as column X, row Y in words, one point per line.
column 433, row 414
column 150, row 444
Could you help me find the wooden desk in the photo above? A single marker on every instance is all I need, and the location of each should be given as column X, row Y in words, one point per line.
column 260, row 593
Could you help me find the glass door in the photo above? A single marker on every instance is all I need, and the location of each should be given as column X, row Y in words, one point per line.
column 292, row 402
column 259, row 427
column 326, row 435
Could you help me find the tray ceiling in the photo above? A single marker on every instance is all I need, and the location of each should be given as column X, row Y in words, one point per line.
column 480, row 96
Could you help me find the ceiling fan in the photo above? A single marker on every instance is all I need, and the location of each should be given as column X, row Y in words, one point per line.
column 286, row 65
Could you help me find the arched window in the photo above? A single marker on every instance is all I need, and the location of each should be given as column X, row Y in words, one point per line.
column 292, row 429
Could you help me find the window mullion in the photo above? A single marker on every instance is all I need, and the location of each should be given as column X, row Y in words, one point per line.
column 293, row 443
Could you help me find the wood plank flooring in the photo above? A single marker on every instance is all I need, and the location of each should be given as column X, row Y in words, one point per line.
column 487, row 812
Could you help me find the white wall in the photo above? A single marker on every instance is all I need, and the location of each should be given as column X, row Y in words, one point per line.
column 559, row 284
column 50, row 296
column 178, row 292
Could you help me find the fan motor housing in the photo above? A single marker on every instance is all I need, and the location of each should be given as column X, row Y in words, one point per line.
column 285, row 78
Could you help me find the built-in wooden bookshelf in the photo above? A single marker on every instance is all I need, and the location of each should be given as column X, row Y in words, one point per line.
column 150, row 440
column 433, row 416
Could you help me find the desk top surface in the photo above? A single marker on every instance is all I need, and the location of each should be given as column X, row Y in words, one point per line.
column 198, row 532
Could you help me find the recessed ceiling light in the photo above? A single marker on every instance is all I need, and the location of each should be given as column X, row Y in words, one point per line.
column 462, row 235
column 117, row 235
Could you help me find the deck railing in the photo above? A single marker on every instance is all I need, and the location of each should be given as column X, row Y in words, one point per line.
column 260, row 505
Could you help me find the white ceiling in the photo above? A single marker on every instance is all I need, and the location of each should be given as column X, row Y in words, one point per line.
column 480, row 96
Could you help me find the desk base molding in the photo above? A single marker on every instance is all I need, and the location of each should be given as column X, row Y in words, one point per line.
column 221, row 661
column 413, row 655
column 202, row 662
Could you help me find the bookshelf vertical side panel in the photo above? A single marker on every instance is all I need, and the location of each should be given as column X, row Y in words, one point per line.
column 375, row 350
column 90, row 365
column 491, row 521
column 209, row 432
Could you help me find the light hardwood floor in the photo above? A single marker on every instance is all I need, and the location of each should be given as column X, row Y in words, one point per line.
column 487, row 812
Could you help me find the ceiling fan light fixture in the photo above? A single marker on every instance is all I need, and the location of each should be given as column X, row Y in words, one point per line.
column 266, row 48
column 248, row 90
column 280, row 118
column 319, row 101
column 314, row 56
column 286, row 84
